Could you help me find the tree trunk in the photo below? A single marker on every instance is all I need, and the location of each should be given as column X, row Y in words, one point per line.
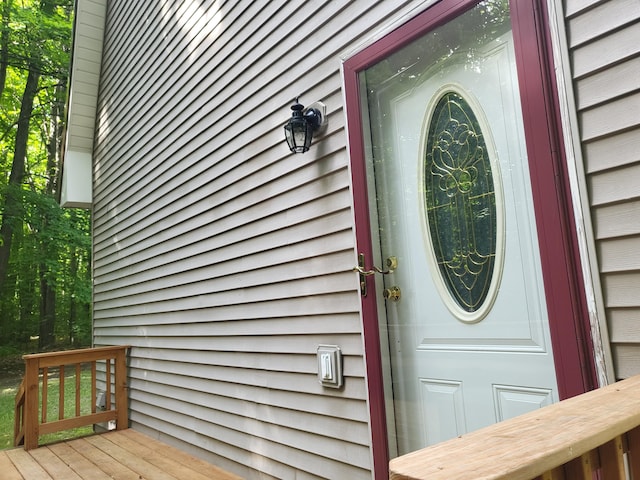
column 12, row 201
column 47, row 312
column 27, row 291
column 4, row 43
column 48, row 291
column 55, row 137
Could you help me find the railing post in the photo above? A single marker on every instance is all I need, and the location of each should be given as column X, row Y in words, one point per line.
column 122, row 420
column 31, row 387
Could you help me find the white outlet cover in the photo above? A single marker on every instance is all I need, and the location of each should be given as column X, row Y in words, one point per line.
column 330, row 366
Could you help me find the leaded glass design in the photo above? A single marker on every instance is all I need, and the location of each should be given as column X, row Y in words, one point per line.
column 460, row 201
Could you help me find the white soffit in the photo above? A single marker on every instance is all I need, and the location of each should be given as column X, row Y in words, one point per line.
column 88, row 38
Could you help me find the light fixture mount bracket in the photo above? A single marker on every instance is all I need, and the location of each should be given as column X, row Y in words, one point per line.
column 316, row 113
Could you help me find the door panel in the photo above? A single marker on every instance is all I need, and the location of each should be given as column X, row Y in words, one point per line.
column 512, row 401
column 443, row 410
column 457, row 365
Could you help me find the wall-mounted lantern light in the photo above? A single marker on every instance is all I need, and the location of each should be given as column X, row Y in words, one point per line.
column 303, row 124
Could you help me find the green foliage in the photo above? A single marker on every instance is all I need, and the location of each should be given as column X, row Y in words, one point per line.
column 54, row 245
column 8, row 351
column 37, row 30
column 48, row 277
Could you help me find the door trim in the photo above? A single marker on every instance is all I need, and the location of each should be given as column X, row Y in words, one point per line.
column 563, row 283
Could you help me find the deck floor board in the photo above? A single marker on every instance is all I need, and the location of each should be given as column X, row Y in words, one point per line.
column 123, row 455
column 53, row 464
column 128, row 459
column 8, row 468
column 84, row 468
column 78, row 452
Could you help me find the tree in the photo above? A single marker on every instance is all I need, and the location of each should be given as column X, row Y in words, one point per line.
column 11, row 214
column 44, row 250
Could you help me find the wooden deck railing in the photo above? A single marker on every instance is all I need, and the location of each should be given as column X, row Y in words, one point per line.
column 595, row 435
column 31, row 405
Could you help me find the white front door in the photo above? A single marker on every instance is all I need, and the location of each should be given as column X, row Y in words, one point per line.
column 468, row 337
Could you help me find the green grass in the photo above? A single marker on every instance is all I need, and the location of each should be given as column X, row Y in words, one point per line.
column 7, row 403
column 7, row 396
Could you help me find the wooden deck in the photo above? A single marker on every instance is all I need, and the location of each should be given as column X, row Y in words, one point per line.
column 121, row 455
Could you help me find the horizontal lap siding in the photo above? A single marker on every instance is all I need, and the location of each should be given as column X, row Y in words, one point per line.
column 223, row 259
column 605, row 54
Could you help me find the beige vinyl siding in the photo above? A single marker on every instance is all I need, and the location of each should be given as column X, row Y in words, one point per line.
column 605, row 54
column 223, row 259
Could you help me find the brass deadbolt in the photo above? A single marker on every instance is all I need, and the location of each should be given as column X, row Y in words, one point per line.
column 392, row 293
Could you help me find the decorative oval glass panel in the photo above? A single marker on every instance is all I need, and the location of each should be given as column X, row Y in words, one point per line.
column 460, row 203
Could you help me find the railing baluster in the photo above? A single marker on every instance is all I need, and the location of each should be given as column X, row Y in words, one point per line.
column 580, row 468
column 94, row 390
column 78, row 373
column 612, row 460
column 45, row 390
column 108, row 386
column 633, row 451
column 61, row 395
column 555, row 474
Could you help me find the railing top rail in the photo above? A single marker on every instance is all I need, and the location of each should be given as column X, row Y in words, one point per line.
column 529, row 445
column 66, row 357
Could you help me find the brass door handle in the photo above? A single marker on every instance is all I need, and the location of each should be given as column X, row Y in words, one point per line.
column 392, row 264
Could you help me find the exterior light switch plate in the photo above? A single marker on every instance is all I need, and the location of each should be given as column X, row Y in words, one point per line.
column 330, row 366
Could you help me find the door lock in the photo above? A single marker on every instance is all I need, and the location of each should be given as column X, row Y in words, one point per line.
column 363, row 273
column 392, row 264
column 392, row 293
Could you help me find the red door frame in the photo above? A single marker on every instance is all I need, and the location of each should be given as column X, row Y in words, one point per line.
column 563, row 282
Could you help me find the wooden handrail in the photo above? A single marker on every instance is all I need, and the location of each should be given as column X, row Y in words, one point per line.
column 572, row 439
column 31, row 416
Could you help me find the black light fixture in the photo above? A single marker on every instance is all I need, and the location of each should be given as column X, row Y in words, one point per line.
column 301, row 126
